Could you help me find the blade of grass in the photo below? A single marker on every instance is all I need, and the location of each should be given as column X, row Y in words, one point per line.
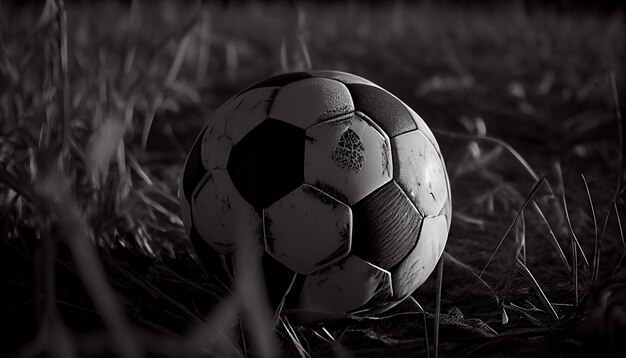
column 178, row 61
column 438, row 303
column 293, row 337
column 514, row 255
column 462, row 217
column 526, row 313
column 65, row 89
column 153, row 53
column 620, row 132
column 617, row 194
column 305, row 54
column 519, row 212
column 497, row 141
column 542, row 296
column 204, row 52
column 505, row 316
column 279, row 309
column 16, row 185
column 596, row 246
column 450, row 258
column 414, row 301
column 232, row 60
column 576, row 242
column 621, row 234
column 242, row 337
column 130, row 48
column 554, row 241
column 6, row 64
column 301, row 31
column 520, row 238
column 620, row 264
column 619, row 225
column 147, row 125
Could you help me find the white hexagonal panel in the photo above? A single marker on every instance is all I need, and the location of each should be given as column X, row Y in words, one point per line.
column 347, row 157
column 221, row 215
column 346, row 286
column 231, row 122
column 342, row 77
column 419, row 170
column 307, row 230
column 415, row 268
column 307, row 102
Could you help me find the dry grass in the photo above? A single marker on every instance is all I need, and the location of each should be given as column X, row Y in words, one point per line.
column 98, row 105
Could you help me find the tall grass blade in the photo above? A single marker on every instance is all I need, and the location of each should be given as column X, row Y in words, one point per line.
column 519, row 212
column 622, row 260
column 308, row 65
column 130, row 49
column 505, row 316
column 497, row 141
column 520, row 238
column 154, row 52
column 542, row 296
column 65, row 89
column 619, row 225
column 293, row 337
column 514, row 255
column 438, row 304
column 232, row 60
column 575, row 269
column 576, row 242
column 8, row 180
column 204, row 52
column 555, row 243
column 177, row 63
column 279, row 309
column 596, row 246
column 414, row 301
column 620, row 264
column 450, row 258
column 147, row 126
column 621, row 173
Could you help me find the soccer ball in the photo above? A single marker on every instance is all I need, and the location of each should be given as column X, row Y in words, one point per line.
column 340, row 182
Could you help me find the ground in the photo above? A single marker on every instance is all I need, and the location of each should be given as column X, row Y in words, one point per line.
column 99, row 104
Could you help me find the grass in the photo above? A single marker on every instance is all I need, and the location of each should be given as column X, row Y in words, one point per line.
column 99, row 103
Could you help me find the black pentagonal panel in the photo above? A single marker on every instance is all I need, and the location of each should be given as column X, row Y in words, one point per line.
column 384, row 109
column 281, row 80
column 268, row 162
column 386, row 226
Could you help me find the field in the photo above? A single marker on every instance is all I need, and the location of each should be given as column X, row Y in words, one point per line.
column 99, row 104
